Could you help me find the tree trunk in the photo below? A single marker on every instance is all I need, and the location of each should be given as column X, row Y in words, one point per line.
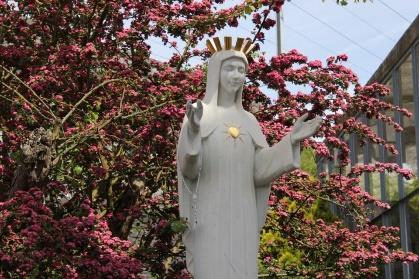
column 35, row 161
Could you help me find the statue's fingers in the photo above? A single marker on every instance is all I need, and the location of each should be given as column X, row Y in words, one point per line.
column 199, row 104
column 317, row 126
column 310, row 123
column 300, row 119
column 189, row 109
column 199, row 109
column 315, row 121
column 318, row 123
column 303, row 117
column 315, row 118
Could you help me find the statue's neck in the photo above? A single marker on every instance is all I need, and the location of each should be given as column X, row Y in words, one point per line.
column 230, row 114
column 226, row 99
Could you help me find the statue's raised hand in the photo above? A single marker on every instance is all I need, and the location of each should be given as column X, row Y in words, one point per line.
column 194, row 114
column 304, row 129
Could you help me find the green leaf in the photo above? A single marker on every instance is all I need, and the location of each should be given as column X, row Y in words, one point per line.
column 308, row 161
column 249, row 9
column 77, row 170
column 179, row 226
column 91, row 117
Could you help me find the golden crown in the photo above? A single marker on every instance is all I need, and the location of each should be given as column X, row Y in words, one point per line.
column 245, row 46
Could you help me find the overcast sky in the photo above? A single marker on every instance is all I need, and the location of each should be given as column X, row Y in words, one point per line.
column 366, row 32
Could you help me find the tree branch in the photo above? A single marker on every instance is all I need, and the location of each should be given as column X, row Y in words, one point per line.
column 263, row 21
column 30, row 89
column 85, row 97
column 26, row 100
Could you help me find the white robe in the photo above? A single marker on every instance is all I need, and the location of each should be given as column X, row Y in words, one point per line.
column 231, row 197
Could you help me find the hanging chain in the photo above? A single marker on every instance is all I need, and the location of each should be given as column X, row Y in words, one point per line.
column 194, row 200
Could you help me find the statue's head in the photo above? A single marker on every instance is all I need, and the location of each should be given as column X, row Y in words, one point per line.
column 232, row 75
column 227, row 68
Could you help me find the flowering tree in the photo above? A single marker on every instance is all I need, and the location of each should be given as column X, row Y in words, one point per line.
column 89, row 124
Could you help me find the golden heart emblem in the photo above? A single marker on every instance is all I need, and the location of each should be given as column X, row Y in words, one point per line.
column 234, row 132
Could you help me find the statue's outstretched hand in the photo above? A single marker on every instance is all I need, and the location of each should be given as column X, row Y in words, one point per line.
column 304, row 129
column 194, row 114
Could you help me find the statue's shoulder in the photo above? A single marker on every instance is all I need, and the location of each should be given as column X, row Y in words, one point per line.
column 255, row 130
column 252, row 119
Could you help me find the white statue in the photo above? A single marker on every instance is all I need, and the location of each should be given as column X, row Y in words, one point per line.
column 225, row 167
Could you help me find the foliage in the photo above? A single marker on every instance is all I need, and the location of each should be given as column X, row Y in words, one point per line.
column 35, row 244
column 91, row 119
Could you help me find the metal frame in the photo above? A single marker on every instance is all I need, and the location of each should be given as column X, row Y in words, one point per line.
column 405, row 234
column 404, row 226
column 367, row 156
column 415, row 80
column 415, row 68
column 330, row 167
column 353, row 149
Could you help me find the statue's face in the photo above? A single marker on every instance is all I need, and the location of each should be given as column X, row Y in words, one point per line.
column 232, row 75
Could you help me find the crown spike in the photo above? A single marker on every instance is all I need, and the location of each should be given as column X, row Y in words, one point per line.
column 242, row 45
column 247, row 46
column 211, row 47
column 252, row 46
column 227, row 43
column 218, row 44
column 239, row 44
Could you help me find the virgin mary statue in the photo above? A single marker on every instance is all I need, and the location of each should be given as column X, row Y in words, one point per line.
column 225, row 167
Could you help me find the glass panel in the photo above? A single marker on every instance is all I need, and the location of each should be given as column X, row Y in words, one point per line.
column 413, row 207
column 359, row 158
column 381, row 273
column 394, row 221
column 347, row 168
column 331, row 168
column 398, row 270
column 390, row 135
column 352, row 149
column 414, row 202
column 331, row 163
column 381, row 267
column 390, row 218
column 321, row 166
column 374, row 157
column 408, row 134
column 417, row 56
